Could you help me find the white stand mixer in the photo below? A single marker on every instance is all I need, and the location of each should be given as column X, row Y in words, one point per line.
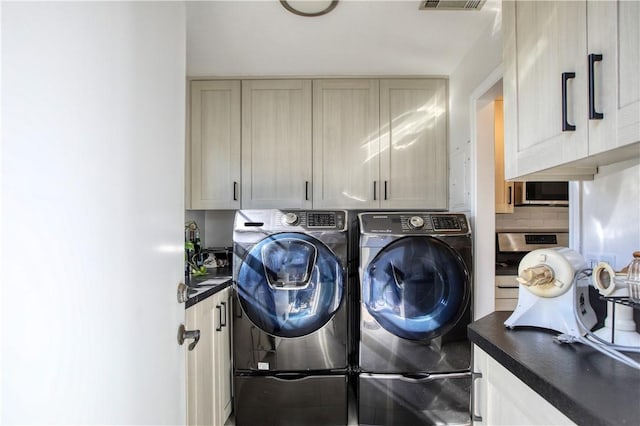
column 544, row 299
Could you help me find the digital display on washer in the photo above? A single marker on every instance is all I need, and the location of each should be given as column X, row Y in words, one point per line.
column 445, row 223
column 321, row 220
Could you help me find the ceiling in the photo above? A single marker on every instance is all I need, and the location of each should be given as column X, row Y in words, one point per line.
column 393, row 37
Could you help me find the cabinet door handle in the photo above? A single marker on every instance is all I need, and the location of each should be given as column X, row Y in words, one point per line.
column 385, row 189
column 474, row 394
column 184, row 334
column 509, row 197
column 223, row 315
column 374, row 190
column 235, row 191
column 219, row 327
column 593, row 114
column 566, row 127
column 306, row 190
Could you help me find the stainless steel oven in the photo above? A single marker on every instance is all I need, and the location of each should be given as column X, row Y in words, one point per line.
column 511, row 247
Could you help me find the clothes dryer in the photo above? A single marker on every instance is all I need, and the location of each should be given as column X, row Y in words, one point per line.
column 414, row 355
column 290, row 319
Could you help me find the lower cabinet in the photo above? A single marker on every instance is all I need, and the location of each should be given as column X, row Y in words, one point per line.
column 209, row 363
column 500, row 398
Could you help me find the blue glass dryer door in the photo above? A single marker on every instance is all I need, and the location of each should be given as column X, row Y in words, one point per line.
column 416, row 288
column 290, row 285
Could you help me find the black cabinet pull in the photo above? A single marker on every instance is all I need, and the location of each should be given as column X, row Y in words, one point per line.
column 374, row 190
column 219, row 327
column 306, row 190
column 593, row 114
column 235, row 191
column 223, row 315
column 566, row 127
column 385, row 189
column 509, row 199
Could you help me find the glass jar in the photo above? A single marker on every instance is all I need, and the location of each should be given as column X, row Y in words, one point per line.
column 633, row 278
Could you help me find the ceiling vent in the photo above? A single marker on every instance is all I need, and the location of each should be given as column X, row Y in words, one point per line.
column 452, row 4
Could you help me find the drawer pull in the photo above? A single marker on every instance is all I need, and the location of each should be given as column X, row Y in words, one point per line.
column 593, row 114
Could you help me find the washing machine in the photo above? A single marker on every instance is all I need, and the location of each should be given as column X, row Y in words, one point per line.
column 415, row 305
column 290, row 327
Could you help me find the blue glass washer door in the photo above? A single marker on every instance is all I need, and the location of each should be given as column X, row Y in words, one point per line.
column 295, row 308
column 416, row 288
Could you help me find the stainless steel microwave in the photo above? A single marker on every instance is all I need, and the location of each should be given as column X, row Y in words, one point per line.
column 542, row 193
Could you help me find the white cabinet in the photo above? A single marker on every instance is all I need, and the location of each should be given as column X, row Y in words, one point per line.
column 549, row 131
column 614, row 33
column 500, row 398
column 209, row 363
column 380, row 143
column 413, row 144
column 276, row 144
column 346, row 145
column 214, row 149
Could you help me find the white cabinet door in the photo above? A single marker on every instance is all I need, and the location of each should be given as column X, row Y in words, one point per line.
column 215, row 145
column 500, row 398
column 276, row 144
column 201, row 385
column 346, row 145
column 413, row 143
column 544, row 42
column 614, row 33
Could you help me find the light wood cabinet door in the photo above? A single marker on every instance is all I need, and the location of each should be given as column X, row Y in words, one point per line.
column 202, row 408
column 215, row 145
column 504, row 190
column 223, row 370
column 413, row 143
column 346, row 145
column 614, row 33
column 276, row 144
column 544, row 40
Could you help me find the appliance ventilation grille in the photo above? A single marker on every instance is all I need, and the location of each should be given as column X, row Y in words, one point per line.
column 452, row 4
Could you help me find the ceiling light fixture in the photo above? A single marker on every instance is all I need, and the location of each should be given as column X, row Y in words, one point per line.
column 309, row 7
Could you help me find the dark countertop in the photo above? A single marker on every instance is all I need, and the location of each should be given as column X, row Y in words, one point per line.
column 587, row 386
column 199, row 289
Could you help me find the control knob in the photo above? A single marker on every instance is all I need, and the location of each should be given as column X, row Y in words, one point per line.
column 416, row 222
column 290, row 219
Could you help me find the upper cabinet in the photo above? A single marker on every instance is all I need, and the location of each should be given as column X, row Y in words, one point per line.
column 571, row 91
column 214, row 167
column 614, row 33
column 276, row 144
column 380, row 143
column 346, row 144
column 325, row 143
column 413, row 143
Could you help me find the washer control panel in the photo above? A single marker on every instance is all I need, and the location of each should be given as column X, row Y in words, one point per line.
column 413, row 223
column 314, row 219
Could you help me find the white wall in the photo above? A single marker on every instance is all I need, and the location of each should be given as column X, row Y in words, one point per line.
column 481, row 60
column 610, row 220
column 92, row 211
column 471, row 168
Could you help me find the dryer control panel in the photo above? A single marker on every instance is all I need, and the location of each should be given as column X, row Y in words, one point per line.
column 413, row 223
